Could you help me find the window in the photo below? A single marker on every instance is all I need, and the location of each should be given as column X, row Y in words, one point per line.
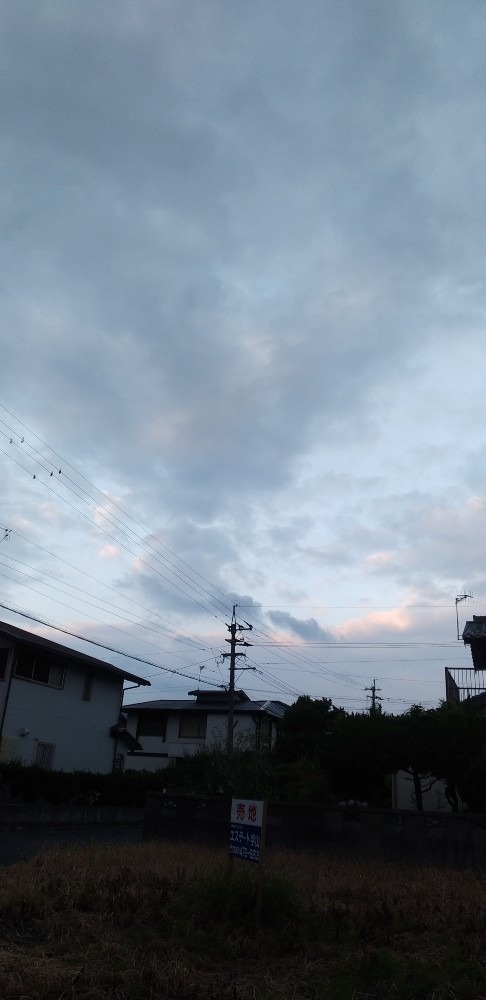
column 88, row 686
column 3, row 662
column 45, row 755
column 39, row 668
column 192, row 726
column 151, row 723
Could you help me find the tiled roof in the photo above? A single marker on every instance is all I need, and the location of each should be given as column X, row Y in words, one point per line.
column 24, row 638
column 164, row 705
column 474, row 635
column 274, row 708
column 475, row 629
column 218, row 696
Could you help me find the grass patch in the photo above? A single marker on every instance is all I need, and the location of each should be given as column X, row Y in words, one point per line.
column 230, row 898
column 167, row 921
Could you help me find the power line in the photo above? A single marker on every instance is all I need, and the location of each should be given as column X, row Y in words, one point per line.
column 102, row 645
column 110, row 535
column 356, row 645
column 184, row 638
column 281, row 685
column 320, row 669
column 286, row 650
column 346, row 607
column 117, row 505
column 112, row 520
column 149, row 626
column 100, row 621
column 296, row 654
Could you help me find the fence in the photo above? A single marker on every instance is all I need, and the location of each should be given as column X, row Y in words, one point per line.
column 27, row 829
column 26, row 815
column 452, row 840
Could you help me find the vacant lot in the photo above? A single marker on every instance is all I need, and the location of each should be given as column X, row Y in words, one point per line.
column 169, row 921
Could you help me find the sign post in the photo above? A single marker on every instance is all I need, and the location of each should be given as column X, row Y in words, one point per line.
column 247, row 838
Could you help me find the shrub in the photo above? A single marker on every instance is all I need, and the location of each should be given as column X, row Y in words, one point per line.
column 31, row 784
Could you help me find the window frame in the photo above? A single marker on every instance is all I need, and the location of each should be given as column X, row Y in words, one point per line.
column 198, row 718
column 39, row 660
column 6, row 650
column 147, row 716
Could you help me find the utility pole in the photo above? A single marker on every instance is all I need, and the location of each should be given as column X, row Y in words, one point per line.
column 235, row 641
column 374, row 708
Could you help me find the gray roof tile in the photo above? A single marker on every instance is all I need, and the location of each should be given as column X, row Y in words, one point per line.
column 274, row 708
column 475, row 629
column 24, row 638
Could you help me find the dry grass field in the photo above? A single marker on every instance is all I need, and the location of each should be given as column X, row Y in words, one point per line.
column 166, row 921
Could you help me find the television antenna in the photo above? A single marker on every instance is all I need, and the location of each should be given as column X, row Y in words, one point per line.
column 459, row 598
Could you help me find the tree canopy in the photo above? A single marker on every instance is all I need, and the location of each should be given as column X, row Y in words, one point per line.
column 326, row 755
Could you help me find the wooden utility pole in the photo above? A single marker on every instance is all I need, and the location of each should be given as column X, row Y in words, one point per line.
column 235, row 641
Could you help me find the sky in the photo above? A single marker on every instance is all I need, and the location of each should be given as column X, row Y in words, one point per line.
column 243, row 305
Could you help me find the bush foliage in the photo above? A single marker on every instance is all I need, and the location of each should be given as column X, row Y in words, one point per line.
column 32, row 784
column 322, row 755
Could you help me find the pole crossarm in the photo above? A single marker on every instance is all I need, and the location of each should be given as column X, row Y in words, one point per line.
column 235, row 640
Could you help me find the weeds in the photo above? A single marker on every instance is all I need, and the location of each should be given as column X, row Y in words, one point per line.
column 168, row 921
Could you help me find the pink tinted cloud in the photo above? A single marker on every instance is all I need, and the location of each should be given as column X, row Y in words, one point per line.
column 109, row 551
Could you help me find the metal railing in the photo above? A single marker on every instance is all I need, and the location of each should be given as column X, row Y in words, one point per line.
column 463, row 683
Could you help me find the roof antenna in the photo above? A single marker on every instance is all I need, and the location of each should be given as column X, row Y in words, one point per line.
column 459, row 598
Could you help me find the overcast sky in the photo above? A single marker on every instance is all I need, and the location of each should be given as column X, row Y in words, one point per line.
column 243, row 295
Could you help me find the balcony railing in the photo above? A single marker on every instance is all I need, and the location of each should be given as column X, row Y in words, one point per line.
column 463, row 683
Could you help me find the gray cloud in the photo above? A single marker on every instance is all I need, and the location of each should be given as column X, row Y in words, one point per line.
column 240, row 250
column 308, row 629
column 153, row 212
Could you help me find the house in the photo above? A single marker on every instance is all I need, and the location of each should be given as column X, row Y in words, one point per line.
column 469, row 683
column 462, row 685
column 169, row 730
column 474, row 635
column 434, row 794
column 59, row 708
column 466, row 684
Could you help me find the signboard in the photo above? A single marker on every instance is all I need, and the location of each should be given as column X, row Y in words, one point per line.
column 246, row 829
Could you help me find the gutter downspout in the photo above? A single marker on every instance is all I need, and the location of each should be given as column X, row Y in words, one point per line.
column 123, row 689
column 115, row 751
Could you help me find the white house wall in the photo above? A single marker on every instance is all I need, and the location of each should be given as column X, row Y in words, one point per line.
column 79, row 729
column 434, row 799
column 243, row 732
column 174, row 747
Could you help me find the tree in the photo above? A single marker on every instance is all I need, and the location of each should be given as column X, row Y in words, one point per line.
column 305, row 729
column 442, row 743
column 302, row 750
column 360, row 759
column 459, row 746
